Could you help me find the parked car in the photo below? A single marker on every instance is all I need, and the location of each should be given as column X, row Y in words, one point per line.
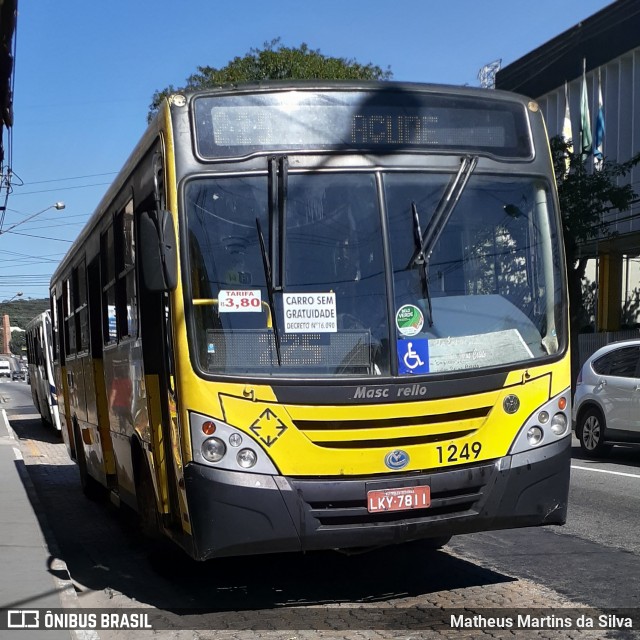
column 5, row 368
column 19, row 373
column 606, row 405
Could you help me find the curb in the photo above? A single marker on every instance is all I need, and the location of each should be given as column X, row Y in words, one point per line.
column 56, row 566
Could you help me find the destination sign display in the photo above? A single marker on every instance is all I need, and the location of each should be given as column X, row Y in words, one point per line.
column 239, row 125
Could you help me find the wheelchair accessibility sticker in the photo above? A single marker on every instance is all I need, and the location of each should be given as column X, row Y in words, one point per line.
column 413, row 356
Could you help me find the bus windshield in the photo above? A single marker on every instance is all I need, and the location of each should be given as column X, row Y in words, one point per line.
column 312, row 288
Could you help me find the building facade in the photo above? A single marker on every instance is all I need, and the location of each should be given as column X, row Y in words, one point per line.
column 605, row 48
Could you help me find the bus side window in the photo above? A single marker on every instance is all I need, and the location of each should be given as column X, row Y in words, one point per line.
column 108, row 281
column 125, row 253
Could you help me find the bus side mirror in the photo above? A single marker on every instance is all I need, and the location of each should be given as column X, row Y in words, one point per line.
column 158, row 251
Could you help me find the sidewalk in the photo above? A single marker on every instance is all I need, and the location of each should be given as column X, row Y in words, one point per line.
column 31, row 576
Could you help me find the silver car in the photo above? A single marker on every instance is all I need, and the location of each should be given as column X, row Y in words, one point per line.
column 606, row 405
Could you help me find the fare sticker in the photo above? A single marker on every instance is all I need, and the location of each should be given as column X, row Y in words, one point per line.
column 240, row 301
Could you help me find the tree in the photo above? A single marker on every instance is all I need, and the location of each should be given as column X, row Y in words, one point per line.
column 18, row 342
column 275, row 62
column 585, row 197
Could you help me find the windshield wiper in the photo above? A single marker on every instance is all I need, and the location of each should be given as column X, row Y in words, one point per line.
column 273, row 259
column 268, row 276
column 444, row 210
column 421, row 260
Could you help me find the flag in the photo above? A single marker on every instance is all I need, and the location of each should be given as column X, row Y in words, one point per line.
column 585, row 118
column 567, row 135
column 598, row 143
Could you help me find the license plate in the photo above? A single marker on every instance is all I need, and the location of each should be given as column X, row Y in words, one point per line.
column 402, row 499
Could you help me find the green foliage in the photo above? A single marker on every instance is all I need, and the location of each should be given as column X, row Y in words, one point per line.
column 630, row 310
column 275, row 62
column 21, row 312
column 18, row 343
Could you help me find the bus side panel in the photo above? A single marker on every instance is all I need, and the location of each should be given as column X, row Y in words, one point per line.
column 90, row 392
column 37, row 390
column 75, row 385
column 118, row 375
column 82, row 386
column 33, row 385
column 65, row 409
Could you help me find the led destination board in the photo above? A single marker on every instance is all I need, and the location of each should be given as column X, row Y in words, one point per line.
column 376, row 121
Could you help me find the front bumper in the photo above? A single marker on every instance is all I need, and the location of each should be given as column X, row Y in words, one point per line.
column 240, row 513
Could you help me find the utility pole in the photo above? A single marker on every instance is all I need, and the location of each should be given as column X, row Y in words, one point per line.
column 6, row 333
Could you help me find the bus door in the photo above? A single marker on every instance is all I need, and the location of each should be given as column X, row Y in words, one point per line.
column 160, row 403
column 158, row 374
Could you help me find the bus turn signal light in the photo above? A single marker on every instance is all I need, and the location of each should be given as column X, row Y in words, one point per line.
column 208, row 428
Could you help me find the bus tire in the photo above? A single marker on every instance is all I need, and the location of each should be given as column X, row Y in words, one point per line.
column 590, row 431
column 91, row 488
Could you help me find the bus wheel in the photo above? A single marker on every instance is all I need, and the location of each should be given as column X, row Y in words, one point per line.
column 590, row 432
column 91, row 488
column 146, row 498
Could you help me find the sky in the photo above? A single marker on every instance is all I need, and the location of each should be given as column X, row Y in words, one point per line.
column 86, row 70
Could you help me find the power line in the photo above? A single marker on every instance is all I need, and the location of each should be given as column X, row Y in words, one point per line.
column 90, row 175
column 80, row 186
column 57, row 225
column 31, row 235
column 28, row 255
column 29, row 260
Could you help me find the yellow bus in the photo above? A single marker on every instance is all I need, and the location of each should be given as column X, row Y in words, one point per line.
column 322, row 316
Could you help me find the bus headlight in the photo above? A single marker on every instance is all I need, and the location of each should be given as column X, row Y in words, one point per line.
column 559, row 424
column 534, row 436
column 213, row 449
column 247, row 458
column 218, row 444
column 235, row 439
column 544, row 426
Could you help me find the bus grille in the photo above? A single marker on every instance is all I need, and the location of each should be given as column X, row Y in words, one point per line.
column 393, row 432
column 331, row 514
column 454, row 493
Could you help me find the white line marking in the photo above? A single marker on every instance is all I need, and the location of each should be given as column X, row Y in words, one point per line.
column 613, row 473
